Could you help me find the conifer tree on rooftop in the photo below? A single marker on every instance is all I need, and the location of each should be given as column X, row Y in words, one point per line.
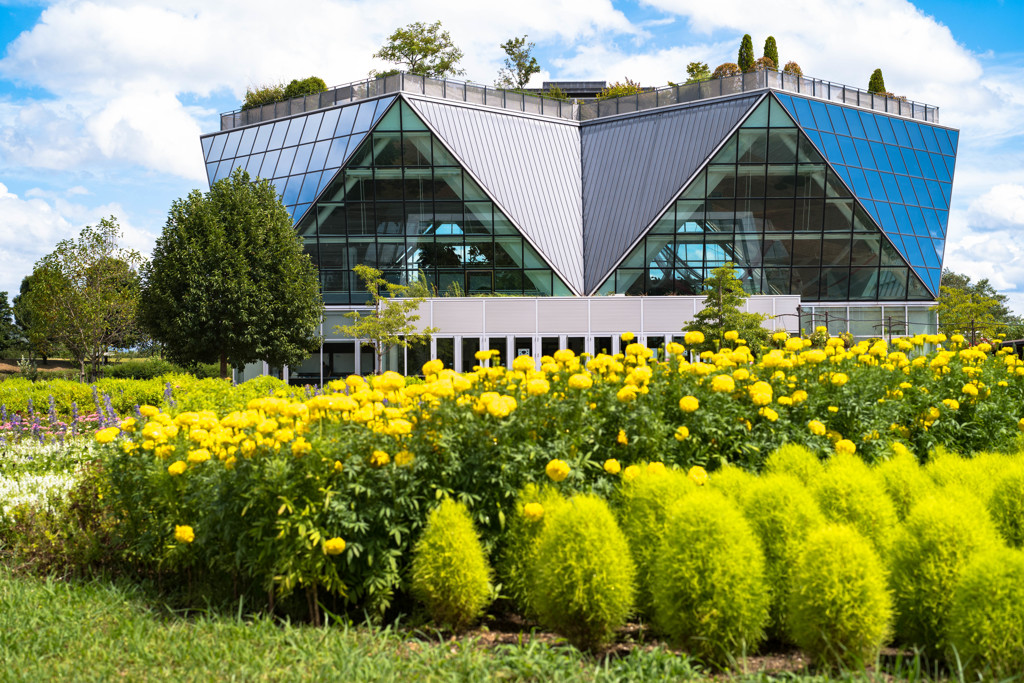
column 771, row 51
column 745, row 60
column 876, row 84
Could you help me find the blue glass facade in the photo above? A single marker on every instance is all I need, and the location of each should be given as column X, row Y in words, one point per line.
column 901, row 171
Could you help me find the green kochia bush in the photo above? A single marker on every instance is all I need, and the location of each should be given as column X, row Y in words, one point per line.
column 516, row 558
column 986, row 624
column 731, row 481
column 839, row 607
column 797, row 460
column 709, row 591
column 904, row 481
column 781, row 512
column 849, row 493
column 1006, row 505
column 583, row 579
column 939, row 538
column 450, row 573
column 642, row 510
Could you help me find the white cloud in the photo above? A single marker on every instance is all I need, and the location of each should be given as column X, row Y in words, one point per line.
column 1001, row 208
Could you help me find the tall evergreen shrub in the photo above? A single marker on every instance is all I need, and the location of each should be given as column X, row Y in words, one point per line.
column 745, row 58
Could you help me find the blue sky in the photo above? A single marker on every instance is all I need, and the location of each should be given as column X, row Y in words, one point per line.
column 102, row 101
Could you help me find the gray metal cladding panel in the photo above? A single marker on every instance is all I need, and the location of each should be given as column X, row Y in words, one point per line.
column 532, row 169
column 634, row 166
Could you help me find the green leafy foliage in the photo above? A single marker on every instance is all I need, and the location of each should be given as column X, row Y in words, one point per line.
column 1006, row 505
column 85, row 293
column 724, row 297
column 424, row 49
column 263, row 94
column 840, row 609
column 450, row 573
column 732, row 481
column 9, row 336
column 710, row 595
column 392, row 322
column 620, row 89
column 697, row 71
column 583, row 580
column 228, row 280
column 306, row 86
column 793, row 68
column 641, row 507
column 771, row 50
column 876, row 84
column 939, row 538
column 745, row 57
column 726, row 69
column 518, row 555
column 796, row 460
column 849, row 493
column 986, row 621
column 973, row 309
column 30, row 326
column 781, row 511
column 904, row 481
column 519, row 64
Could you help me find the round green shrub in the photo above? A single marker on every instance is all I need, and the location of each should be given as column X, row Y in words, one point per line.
column 732, row 481
column 641, row 507
column 781, row 512
column 936, row 542
column 519, row 545
column 986, row 620
column 583, row 579
column 849, row 493
column 797, row 460
column 904, row 481
column 839, row 606
column 950, row 469
column 1006, row 504
column 450, row 573
column 709, row 590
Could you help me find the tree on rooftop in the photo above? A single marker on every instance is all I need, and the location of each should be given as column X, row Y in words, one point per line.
column 229, row 282
column 519, row 64
column 876, row 84
column 793, row 68
column 745, row 59
column 85, row 294
column 393, row 319
column 771, row 51
column 259, row 95
column 424, row 49
column 307, row 86
column 726, row 69
column 620, row 89
column 723, row 301
column 697, row 71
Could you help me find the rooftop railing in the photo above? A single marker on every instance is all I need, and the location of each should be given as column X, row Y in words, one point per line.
column 664, row 96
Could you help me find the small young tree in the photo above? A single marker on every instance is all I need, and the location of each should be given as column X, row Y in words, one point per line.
column 722, row 311
column 260, row 95
column 697, row 71
column 30, row 328
column 745, row 59
column 876, row 84
column 307, row 86
column 619, row 89
column 392, row 322
column 555, row 93
column 793, row 68
column 771, row 51
column 519, row 64
column 425, row 49
column 726, row 69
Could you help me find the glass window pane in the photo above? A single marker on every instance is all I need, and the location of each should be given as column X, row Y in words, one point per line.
column 749, row 181
column 753, row 146
column 318, row 159
column 779, row 215
column 416, row 149
column 805, row 283
column 284, row 164
column 721, row 181
column 864, row 286
column 835, row 114
column 387, row 149
column 231, row 146
column 809, row 215
column 884, row 129
column 854, row 123
column 294, row 132
column 346, row 118
column 278, row 135
column 302, row 155
column 253, row 166
column 807, row 153
column 329, row 123
column 364, row 117
column 262, row 137
column 291, row 192
column 245, row 146
column 782, row 146
column 780, row 181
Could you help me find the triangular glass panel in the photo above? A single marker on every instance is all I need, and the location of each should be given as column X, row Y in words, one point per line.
column 730, row 213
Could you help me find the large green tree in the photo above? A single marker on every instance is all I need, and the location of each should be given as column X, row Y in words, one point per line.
column 697, row 71
column 392, row 322
column 771, row 51
column 876, row 84
column 745, row 58
column 31, row 330
column 8, row 330
column 519, row 64
column 974, row 309
column 724, row 299
column 85, row 294
column 228, row 281
column 424, row 49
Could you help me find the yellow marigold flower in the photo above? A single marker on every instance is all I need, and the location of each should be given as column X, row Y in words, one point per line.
column 785, row 401
column 524, row 363
column 723, row 384
column 301, row 447
column 760, row 393
column 794, row 344
column 334, row 546
column 698, row 475
column 338, row 466
column 128, row 425
column 655, row 469
column 163, row 451
column 622, row 438
column 184, row 534
column 380, row 458
column 482, row 355
column 682, row 433
column 1020, row 424
column 970, row 390
column 107, row 435
column 630, row 473
column 626, row 394
column 674, row 348
column 432, row 367
column 557, row 470
column 564, row 355
column 732, row 335
column 845, row 446
column 951, row 403
column 404, row 458
column 799, row 396
column 537, row 387
column 817, row 427
column 533, row 511
column 780, row 336
column 693, row 337
column 502, row 406
column 612, row 466
column 839, row 379
column 148, row 410
column 768, row 414
column 833, row 409
column 284, row 435
column 176, row 468
column 199, row 455
column 741, row 374
column 580, row 381
column 628, row 336
column 688, row 404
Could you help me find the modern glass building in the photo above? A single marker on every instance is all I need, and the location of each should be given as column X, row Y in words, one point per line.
column 822, row 195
